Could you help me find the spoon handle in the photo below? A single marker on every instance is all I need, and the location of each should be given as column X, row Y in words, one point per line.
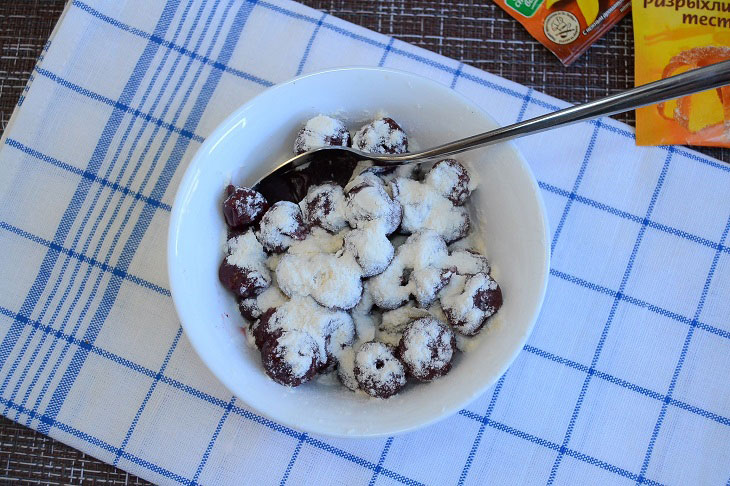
column 684, row 84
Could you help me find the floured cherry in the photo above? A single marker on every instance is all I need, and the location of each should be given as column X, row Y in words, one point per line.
column 378, row 372
column 427, row 348
column 381, row 136
column 321, row 131
column 471, row 302
column 243, row 206
column 281, row 225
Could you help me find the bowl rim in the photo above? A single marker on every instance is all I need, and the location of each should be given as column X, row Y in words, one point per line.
column 233, row 120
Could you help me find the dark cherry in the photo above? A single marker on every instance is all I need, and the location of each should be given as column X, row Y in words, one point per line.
column 440, row 348
column 243, row 206
column 239, row 281
column 485, row 299
column 274, row 358
column 387, row 144
column 460, row 191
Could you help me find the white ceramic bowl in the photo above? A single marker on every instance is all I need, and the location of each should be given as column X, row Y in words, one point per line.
column 260, row 134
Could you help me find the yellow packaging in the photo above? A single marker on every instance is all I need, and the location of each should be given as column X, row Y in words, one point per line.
column 671, row 37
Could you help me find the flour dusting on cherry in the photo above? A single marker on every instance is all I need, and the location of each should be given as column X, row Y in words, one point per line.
column 373, row 281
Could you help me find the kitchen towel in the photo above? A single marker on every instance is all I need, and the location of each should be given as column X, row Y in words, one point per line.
column 624, row 379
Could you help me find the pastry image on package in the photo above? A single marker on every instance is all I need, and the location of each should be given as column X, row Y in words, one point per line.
column 566, row 27
column 671, row 37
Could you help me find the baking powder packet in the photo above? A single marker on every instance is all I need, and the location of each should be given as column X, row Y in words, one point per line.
column 671, row 37
column 566, row 27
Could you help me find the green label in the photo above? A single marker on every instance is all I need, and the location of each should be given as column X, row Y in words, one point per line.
column 525, row 7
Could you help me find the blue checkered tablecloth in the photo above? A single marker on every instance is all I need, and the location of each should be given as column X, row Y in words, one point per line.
column 624, row 380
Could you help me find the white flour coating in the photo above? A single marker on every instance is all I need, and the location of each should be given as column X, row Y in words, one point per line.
column 366, row 303
column 421, row 251
column 333, row 281
column 328, row 378
column 445, row 177
column 347, row 241
column 346, row 368
column 387, row 289
column 367, row 200
column 454, row 287
column 427, row 345
column 423, row 260
column 338, row 285
column 376, row 134
column 425, row 208
column 273, row 261
column 365, row 316
column 251, row 204
column 295, row 348
column 304, row 315
column 472, row 241
column 370, row 202
column 375, row 364
column 318, row 241
column 365, row 325
column 343, row 335
column 325, row 205
column 436, row 311
column 271, row 297
column 358, row 170
column 408, row 171
column 467, row 263
column 281, row 220
column 395, row 321
column 457, row 301
column 370, row 247
column 248, row 332
column 317, row 130
column 397, row 240
column 427, row 283
column 245, row 251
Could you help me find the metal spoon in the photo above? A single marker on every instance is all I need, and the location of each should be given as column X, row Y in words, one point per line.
column 337, row 163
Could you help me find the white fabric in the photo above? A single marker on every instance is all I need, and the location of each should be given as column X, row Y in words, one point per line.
column 623, row 380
